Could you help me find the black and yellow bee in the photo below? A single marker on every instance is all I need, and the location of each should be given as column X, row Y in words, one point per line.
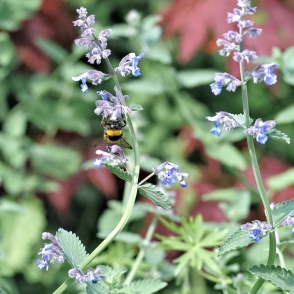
column 113, row 132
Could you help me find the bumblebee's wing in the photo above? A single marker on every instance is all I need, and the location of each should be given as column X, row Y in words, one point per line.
column 102, row 142
column 124, row 143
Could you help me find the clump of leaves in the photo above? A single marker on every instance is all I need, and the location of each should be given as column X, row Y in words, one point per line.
column 196, row 241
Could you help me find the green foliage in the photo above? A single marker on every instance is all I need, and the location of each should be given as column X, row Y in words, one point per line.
column 237, row 240
column 280, row 277
column 195, row 241
column 21, row 227
column 282, row 180
column 156, row 195
column 287, row 65
column 235, row 203
column 194, row 78
column 240, row 118
column 227, row 154
column 13, row 12
column 281, row 210
column 278, row 135
column 121, row 173
column 73, row 248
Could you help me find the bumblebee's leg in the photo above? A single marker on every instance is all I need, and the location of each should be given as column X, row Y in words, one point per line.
column 103, row 122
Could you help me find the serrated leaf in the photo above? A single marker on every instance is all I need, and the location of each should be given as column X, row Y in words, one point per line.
column 280, row 277
column 99, row 288
column 73, row 248
column 122, row 174
column 238, row 240
column 155, row 195
column 281, row 210
column 240, row 118
column 278, row 135
column 136, row 107
column 147, row 286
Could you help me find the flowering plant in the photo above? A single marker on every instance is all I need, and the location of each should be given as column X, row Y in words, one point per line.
column 193, row 237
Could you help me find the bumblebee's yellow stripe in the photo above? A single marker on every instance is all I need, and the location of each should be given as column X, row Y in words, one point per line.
column 113, row 133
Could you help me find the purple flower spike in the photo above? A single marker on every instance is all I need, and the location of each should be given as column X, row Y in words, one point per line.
column 168, row 173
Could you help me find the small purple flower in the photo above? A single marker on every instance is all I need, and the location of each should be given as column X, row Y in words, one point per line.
column 224, row 80
column 260, row 130
column 50, row 252
column 168, row 173
column 222, row 118
column 247, row 55
column 92, row 275
column 129, row 64
column 264, row 72
column 114, row 156
column 110, row 106
column 257, row 230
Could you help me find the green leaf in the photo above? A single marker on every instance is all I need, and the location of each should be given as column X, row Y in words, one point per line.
column 136, row 107
column 227, row 154
column 238, row 240
column 285, row 116
column 282, row 180
column 241, row 119
column 20, row 232
column 8, row 52
column 147, row 286
column 73, row 248
column 122, row 174
column 281, row 210
column 57, row 161
column 99, row 288
column 15, row 123
column 287, row 65
column 194, row 78
column 280, row 277
column 154, row 194
column 55, row 52
column 13, row 12
column 278, row 135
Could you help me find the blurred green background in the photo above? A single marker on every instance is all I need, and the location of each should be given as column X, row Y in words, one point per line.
column 48, row 127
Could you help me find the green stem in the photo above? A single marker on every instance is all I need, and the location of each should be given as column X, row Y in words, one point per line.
column 131, row 197
column 257, row 175
column 141, row 253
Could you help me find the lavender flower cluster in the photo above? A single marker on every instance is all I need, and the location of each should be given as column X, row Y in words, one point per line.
column 53, row 251
column 257, row 229
column 233, row 45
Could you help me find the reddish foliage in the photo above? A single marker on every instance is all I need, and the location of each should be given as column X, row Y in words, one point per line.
column 198, row 23
column 52, row 22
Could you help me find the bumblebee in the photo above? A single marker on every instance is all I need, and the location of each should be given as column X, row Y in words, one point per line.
column 113, row 132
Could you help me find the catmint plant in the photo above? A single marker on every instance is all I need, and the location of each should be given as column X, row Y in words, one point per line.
column 115, row 116
column 232, row 45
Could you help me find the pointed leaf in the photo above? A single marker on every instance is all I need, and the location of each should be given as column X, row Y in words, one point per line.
column 99, row 288
column 155, row 195
column 278, row 276
column 147, row 286
column 281, row 210
column 282, row 180
column 136, row 107
column 73, row 248
column 238, row 240
column 240, row 118
column 124, row 175
column 278, row 135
